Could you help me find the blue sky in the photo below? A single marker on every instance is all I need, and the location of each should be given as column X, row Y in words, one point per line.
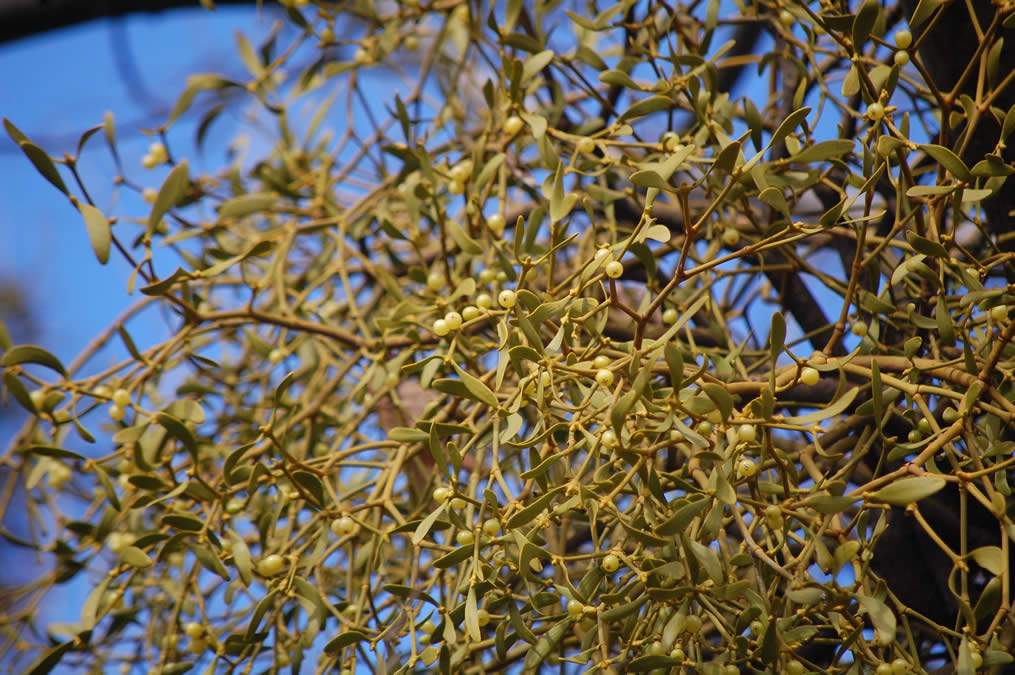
column 55, row 86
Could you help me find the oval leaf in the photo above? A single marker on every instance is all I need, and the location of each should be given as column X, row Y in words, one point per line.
column 99, row 233
column 949, row 160
column 172, row 190
column 135, row 557
column 908, row 490
column 32, row 354
column 344, row 640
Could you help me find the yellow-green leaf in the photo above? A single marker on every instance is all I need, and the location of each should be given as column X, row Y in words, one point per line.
column 881, row 616
column 990, row 558
column 135, row 557
column 905, row 491
column 99, row 233
column 31, row 354
column 949, row 160
column 831, row 411
column 171, row 192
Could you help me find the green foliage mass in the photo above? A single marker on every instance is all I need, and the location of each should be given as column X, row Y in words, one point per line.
column 568, row 354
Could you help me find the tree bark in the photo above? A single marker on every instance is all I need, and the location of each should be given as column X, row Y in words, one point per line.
column 21, row 19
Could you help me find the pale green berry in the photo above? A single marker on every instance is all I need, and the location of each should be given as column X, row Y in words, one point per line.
column 58, row 476
column 453, row 320
column 730, row 236
column 610, row 563
column 670, row 315
column 903, row 39
column 506, row 299
column 482, row 617
column 491, row 527
column 604, row 377
column 586, row 146
column 441, row 495
column 901, row 58
column 435, row 280
column 441, row 327
column 875, row 111
column 513, row 124
column 859, row 329
column 456, row 188
column 270, row 565
column 747, row 432
column 158, row 152
column 464, row 538
column 746, row 468
column 610, row 439
column 149, row 195
column 457, row 503
column 496, row 223
column 484, row 301
column 462, row 171
column 469, row 313
column 614, row 269
column 601, row 361
column 786, row 18
column 809, row 376
column 344, row 526
column 575, row 608
column 116, row 413
column 193, row 630
column 999, row 313
column 670, row 141
column 117, row 541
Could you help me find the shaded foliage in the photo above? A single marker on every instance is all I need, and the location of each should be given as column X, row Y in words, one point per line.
column 549, row 349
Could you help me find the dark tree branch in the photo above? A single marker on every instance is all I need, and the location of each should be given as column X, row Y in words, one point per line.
column 24, row 18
